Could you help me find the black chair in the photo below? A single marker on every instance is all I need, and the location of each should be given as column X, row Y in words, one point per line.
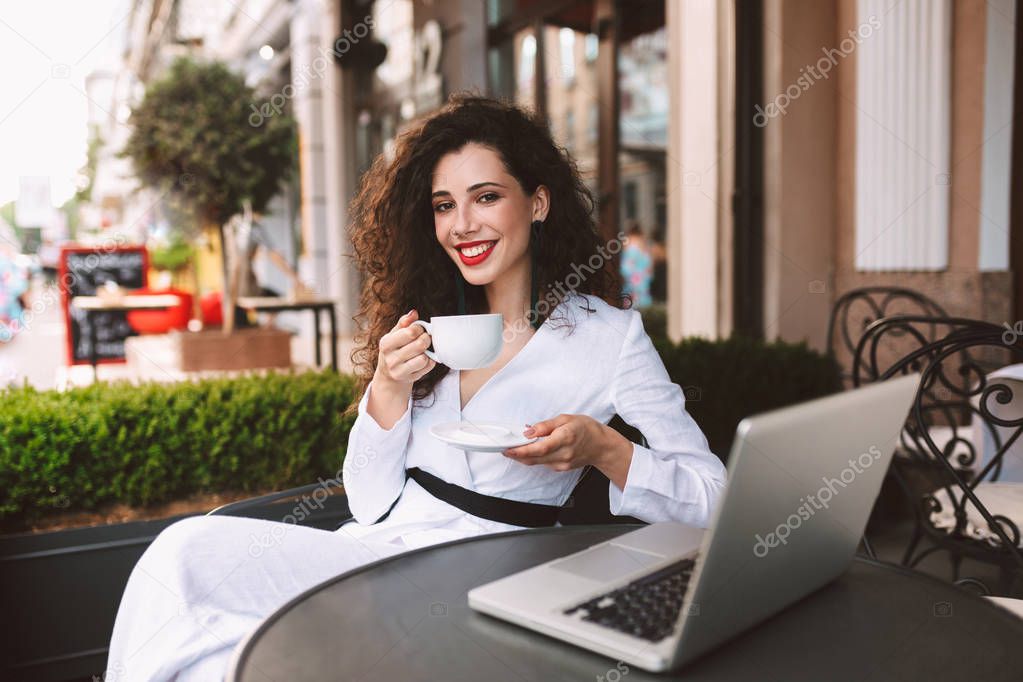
column 324, row 504
column 857, row 309
column 937, row 464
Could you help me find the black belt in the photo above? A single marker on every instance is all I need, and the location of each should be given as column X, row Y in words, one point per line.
column 512, row 512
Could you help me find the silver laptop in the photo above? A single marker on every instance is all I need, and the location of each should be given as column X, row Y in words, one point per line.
column 802, row 481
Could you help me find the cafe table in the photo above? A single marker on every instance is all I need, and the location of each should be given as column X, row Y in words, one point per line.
column 407, row 618
column 272, row 304
column 90, row 305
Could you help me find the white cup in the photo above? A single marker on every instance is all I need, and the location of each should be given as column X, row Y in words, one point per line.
column 465, row 341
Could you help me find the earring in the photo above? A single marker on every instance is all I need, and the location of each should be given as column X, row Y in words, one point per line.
column 534, row 283
column 461, row 292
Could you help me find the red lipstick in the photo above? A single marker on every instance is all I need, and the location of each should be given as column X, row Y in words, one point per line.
column 476, row 260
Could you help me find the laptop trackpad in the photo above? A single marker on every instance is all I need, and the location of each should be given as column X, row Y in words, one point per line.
column 605, row 563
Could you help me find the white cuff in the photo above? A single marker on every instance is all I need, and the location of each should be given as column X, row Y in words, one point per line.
column 626, row 502
column 374, row 468
column 374, row 428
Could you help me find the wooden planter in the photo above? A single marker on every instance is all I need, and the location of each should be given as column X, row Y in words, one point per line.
column 249, row 348
column 61, row 591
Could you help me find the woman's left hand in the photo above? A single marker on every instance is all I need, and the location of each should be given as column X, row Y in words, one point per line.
column 570, row 441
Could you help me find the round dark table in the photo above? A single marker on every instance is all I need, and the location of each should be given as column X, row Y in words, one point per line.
column 407, row 618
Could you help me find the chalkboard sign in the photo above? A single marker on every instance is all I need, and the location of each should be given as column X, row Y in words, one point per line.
column 84, row 270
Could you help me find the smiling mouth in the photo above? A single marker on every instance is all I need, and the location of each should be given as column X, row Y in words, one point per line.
column 474, row 255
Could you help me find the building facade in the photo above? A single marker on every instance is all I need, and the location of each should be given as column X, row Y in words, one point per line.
column 779, row 152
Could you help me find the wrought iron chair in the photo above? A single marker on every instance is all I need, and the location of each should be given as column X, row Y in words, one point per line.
column 939, row 467
column 324, row 504
column 857, row 309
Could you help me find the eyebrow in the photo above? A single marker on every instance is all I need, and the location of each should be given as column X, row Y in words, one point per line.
column 470, row 188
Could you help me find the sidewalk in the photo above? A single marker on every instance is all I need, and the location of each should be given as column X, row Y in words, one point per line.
column 36, row 352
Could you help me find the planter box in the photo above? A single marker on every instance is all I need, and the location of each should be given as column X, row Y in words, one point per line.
column 248, row 348
column 61, row 590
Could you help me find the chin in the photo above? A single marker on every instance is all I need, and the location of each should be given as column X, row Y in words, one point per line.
column 478, row 279
column 477, row 276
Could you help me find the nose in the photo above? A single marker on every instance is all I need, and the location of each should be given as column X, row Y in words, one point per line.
column 465, row 223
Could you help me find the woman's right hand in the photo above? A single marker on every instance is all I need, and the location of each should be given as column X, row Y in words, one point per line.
column 400, row 359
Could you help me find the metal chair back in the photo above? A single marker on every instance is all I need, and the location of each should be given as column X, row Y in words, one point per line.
column 956, row 397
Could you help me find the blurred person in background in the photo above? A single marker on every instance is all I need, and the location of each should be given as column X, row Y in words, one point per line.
column 49, row 259
column 637, row 266
column 251, row 238
column 13, row 289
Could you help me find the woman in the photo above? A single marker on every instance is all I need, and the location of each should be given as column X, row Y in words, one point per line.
column 13, row 287
column 476, row 173
column 637, row 267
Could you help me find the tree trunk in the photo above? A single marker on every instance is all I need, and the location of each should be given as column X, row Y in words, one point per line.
column 229, row 264
column 193, row 272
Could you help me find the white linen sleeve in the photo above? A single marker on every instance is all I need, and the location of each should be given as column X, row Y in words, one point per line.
column 374, row 468
column 676, row 478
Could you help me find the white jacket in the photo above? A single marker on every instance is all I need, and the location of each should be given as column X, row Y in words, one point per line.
column 606, row 364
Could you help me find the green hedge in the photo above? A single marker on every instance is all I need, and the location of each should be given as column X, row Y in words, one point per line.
column 655, row 320
column 152, row 443
column 725, row 381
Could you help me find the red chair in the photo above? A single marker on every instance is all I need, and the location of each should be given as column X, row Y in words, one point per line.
column 211, row 306
column 161, row 321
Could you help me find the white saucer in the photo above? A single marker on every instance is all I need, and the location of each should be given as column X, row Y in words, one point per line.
column 482, row 436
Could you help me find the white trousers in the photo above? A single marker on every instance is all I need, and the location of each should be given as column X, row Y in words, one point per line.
column 206, row 582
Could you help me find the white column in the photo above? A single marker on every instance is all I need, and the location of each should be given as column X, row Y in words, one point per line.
column 307, row 68
column 339, row 170
column 694, row 210
column 996, row 166
column 903, row 132
column 772, row 219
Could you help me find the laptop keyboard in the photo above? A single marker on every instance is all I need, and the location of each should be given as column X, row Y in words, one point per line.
column 647, row 608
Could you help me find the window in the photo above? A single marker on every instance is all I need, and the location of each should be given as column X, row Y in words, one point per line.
column 629, row 200
column 591, row 46
column 527, row 57
column 566, row 42
column 903, row 143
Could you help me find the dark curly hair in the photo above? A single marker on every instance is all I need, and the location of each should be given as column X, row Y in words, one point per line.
column 392, row 229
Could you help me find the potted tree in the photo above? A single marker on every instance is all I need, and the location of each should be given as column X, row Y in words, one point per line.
column 193, row 140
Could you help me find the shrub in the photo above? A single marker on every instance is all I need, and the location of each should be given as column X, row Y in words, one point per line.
column 152, row 443
column 725, row 381
column 173, row 256
column 655, row 320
